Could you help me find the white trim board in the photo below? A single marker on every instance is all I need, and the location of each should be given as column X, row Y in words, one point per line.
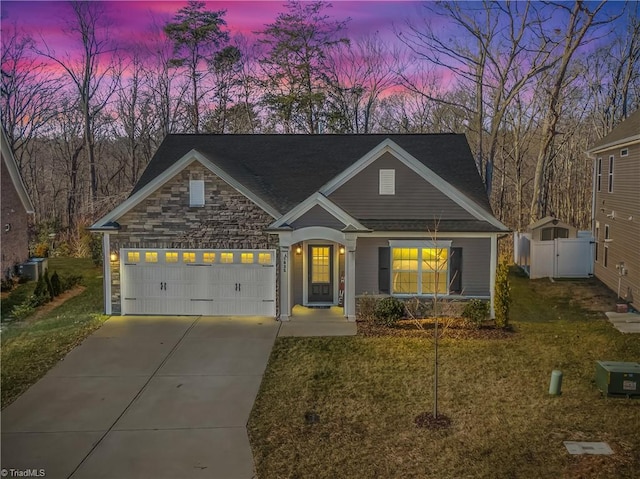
column 168, row 174
column 14, row 173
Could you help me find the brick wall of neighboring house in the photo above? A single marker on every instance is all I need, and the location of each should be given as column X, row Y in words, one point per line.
column 15, row 242
column 165, row 220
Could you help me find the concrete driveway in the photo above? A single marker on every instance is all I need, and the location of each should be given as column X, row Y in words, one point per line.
column 143, row 397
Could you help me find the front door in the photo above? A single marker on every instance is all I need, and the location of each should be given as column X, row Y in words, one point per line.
column 321, row 274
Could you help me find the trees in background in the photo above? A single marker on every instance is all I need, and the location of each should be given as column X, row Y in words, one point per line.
column 197, row 34
column 531, row 84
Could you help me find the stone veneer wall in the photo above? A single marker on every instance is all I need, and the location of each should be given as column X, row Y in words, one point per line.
column 165, row 220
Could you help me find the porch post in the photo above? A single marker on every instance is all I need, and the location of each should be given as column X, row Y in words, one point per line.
column 285, row 282
column 350, row 278
column 106, row 266
column 492, row 273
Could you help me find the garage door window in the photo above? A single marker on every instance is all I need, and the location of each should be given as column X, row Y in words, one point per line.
column 264, row 258
column 246, row 258
column 209, row 257
column 171, row 257
column 188, row 257
column 151, row 257
column 133, row 256
column 226, row 257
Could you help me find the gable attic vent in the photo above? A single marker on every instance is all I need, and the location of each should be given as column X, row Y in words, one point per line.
column 196, row 192
column 387, row 182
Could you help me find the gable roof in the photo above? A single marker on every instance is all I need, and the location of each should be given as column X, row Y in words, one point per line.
column 14, row 173
column 284, row 170
column 626, row 131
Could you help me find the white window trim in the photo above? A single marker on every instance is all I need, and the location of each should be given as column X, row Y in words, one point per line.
column 387, row 182
column 610, row 177
column 599, row 174
column 420, row 245
column 624, row 152
column 196, row 193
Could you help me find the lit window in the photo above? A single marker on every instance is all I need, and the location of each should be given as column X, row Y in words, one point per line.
column 188, row 257
column 226, row 257
column 420, row 270
column 246, row 258
column 387, row 182
column 264, row 258
column 321, row 264
column 151, row 257
column 196, row 193
column 209, row 257
column 171, row 257
column 133, row 256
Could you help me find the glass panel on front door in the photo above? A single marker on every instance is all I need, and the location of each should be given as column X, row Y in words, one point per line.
column 320, row 274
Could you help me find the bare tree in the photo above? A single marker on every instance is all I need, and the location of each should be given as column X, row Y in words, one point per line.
column 581, row 19
column 90, row 71
column 28, row 96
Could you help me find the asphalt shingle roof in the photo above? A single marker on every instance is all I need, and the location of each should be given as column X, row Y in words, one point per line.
column 284, row 170
column 629, row 127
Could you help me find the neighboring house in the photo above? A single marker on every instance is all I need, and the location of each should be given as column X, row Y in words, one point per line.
column 255, row 224
column 16, row 208
column 616, row 209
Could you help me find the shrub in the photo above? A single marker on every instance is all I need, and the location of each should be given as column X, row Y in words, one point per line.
column 367, row 307
column 41, row 293
column 475, row 312
column 502, row 300
column 41, row 250
column 56, row 285
column 63, row 250
column 70, row 281
column 22, row 310
column 47, row 282
column 389, row 311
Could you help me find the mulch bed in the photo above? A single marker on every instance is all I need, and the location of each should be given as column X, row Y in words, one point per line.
column 453, row 328
column 429, row 421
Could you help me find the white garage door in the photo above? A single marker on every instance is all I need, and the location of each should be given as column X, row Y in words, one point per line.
column 198, row 282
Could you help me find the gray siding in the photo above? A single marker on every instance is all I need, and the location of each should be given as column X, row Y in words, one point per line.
column 624, row 232
column 414, row 197
column 318, row 216
column 476, row 256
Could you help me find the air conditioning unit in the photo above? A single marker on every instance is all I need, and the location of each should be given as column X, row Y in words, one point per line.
column 617, row 378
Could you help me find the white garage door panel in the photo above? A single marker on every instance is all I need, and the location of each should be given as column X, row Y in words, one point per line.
column 172, row 282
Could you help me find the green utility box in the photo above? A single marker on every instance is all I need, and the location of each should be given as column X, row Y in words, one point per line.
column 618, row 379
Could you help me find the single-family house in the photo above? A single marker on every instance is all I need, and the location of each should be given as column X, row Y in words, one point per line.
column 16, row 210
column 616, row 209
column 255, row 224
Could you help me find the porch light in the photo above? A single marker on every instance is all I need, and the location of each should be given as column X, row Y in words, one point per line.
column 341, row 249
column 298, row 250
column 113, row 256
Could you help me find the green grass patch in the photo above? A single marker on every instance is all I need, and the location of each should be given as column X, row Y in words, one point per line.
column 31, row 347
column 368, row 391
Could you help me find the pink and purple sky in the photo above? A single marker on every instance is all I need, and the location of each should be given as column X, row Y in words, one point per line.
column 130, row 20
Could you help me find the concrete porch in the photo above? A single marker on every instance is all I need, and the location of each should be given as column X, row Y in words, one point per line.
column 310, row 322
